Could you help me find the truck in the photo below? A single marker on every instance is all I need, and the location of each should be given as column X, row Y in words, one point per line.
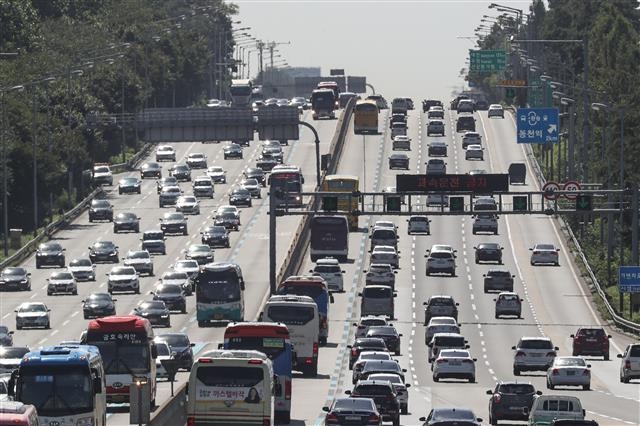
column 323, row 104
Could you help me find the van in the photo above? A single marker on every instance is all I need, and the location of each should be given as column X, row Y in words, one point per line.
column 441, row 341
column 18, row 414
column 546, row 408
column 383, row 236
column 517, row 173
column 377, row 300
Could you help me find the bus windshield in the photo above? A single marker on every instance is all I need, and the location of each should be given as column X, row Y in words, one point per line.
column 341, row 185
column 120, row 358
column 270, row 346
column 224, row 376
column 367, row 107
column 66, row 390
column 221, row 286
column 291, row 315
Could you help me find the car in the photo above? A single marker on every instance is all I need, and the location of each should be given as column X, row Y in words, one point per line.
column 215, row 236
column 533, row 354
column 153, row 170
column 465, row 123
column 436, row 166
column 102, row 175
column 569, row 371
column 83, row 269
column 380, row 273
column 50, row 253
column 454, row 364
column 399, row 386
column 384, row 396
column 179, row 344
column 298, row 102
column 397, row 118
column 590, row 341
column 401, row 142
column 172, row 295
column 440, row 306
column 509, row 399
column 197, row 160
column 328, row 268
column 273, row 152
column 630, row 363
column 6, row 336
column 100, row 210
column 389, row 334
column 385, row 254
column 428, row 103
column 471, row 138
column 363, row 358
column 201, row 253
column 367, row 321
column 163, row 353
column 435, row 127
column 375, row 366
column 169, row 196
column 190, row 267
column 153, row 241
column 474, row 152
column 253, row 186
column 165, row 153
column 98, row 305
column 485, row 222
column 240, row 196
column 495, row 110
column 129, row 185
column 544, row 254
column 217, row 174
column 441, row 341
column 450, row 417
column 440, row 325
column 203, row 187
column 465, row 105
column 232, row 150
column 174, row 223
column 188, row 204
column 181, row 172
column 498, row 279
column 140, row 260
column 437, row 149
column 123, row 278
column 440, row 262
column 266, row 163
column 440, row 200
column 180, row 278
column 103, row 251
column 354, row 411
column 126, row 221
column 15, row 278
column 508, row 303
column 229, row 220
column 384, row 236
column 257, row 174
column 365, row 344
column 435, row 112
column 398, row 161
column 228, row 208
column 10, row 359
column 418, row 225
column 488, row 252
column 61, row 282
column 33, row 314
column 166, row 182
column 155, row 311
column 480, row 105
column 398, row 128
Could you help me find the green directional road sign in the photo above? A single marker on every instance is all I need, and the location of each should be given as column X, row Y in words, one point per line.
column 520, row 203
column 456, row 204
column 583, row 203
column 487, row 61
column 329, row 203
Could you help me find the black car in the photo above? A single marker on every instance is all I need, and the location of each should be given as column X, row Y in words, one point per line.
column 181, row 172
column 233, row 150
column 440, row 306
column 257, row 174
column 384, row 396
column 100, row 210
column 437, row 149
column 153, row 241
column 365, row 344
column 428, row 103
column 399, row 161
column 352, row 411
column 104, row 251
column 155, row 311
column 266, row 164
column 166, row 182
column 229, row 220
column 466, row 123
column 508, row 399
column 6, row 336
column 129, row 185
column 389, row 334
column 240, row 196
column 174, row 223
column 15, row 278
column 172, row 295
column 215, row 236
column 98, row 305
column 151, row 170
column 498, row 279
column 169, row 196
column 50, row 253
column 489, row 252
column 181, row 345
column 126, row 221
column 397, row 118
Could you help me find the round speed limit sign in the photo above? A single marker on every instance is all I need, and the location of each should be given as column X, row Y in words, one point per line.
column 573, row 187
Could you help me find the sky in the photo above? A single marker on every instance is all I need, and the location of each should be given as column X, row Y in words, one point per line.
column 405, row 48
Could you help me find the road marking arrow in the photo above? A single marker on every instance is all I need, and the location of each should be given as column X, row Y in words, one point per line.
column 552, row 128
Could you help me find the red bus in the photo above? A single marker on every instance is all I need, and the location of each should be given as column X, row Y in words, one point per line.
column 127, row 349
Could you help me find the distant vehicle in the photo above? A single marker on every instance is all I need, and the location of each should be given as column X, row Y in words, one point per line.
column 496, row 110
column 100, row 210
column 104, row 251
column 347, row 184
column 6, row 336
column 345, row 97
column 215, row 236
column 488, row 252
column 153, row 170
column 10, row 357
column 166, row 182
column 126, row 221
column 465, row 123
column 232, row 150
column 548, row 408
column 437, row 149
column 428, row 103
column 435, row 127
column 398, row 161
column 188, row 204
column 435, row 112
column 201, row 253
column 379, row 100
column 448, row 416
column 485, row 222
column 365, row 117
column 240, row 92
column 440, row 306
column 61, row 282
column 180, row 344
column 471, row 138
column 545, row 254
column 569, row 371
column 101, row 175
column 334, row 87
column 217, row 174
column 517, row 173
column 165, row 153
column 329, row 270
column 174, row 223
column 240, row 196
column 399, row 106
column 129, row 185
column 197, row 160
column 498, row 279
column 203, row 187
column 465, row 105
column 419, row 225
column 401, row 142
column 172, row 295
column 323, row 104
column 384, row 396
column 50, row 253
column 256, row 173
column 533, row 353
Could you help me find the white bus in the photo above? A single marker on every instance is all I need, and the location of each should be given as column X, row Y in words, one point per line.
column 231, row 387
column 241, row 91
column 300, row 314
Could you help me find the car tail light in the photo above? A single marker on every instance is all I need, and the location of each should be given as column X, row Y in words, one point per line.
column 287, row 389
column 191, row 421
column 520, row 353
column 266, row 422
column 315, row 349
column 391, row 397
column 555, row 372
column 331, row 418
column 467, row 361
column 536, row 252
column 441, row 360
column 497, row 398
column 354, row 352
column 586, row 372
column 374, row 418
column 627, row 364
column 551, row 354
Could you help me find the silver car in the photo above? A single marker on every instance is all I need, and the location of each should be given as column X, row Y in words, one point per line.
column 630, row 363
column 329, row 269
column 508, row 303
column 62, row 282
column 252, row 186
column 474, row 152
column 435, row 127
column 545, row 254
column 533, row 353
column 569, row 371
column 385, row 254
column 32, row 314
column 380, row 273
column 436, row 326
column 140, row 260
column 418, row 224
column 454, row 364
column 188, row 204
column 436, row 166
column 377, row 300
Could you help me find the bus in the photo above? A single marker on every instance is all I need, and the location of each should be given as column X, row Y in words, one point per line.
column 300, row 314
column 231, row 387
column 127, row 349
column 66, row 384
column 344, row 183
column 241, row 91
column 365, row 117
column 323, row 104
column 286, row 182
column 219, row 293
column 273, row 340
column 329, row 237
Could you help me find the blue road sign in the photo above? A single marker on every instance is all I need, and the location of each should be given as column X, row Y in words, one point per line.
column 537, row 125
column 629, row 279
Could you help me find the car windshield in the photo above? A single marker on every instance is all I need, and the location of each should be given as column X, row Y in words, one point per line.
column 441, row 255
column 570, row 362
column 13, row 352
column 138, row 255
column 376, row 343
column 372, row 390
column 61, row 276
column 180, row 168
column 355, row 404
column 175, row 276
column 441, row 301
column 129, row 181
column 517, row 388
column 33, row 308
column 153, row 235
column 188, row 199
column 173, row 216
column 215, row 169
column 98, row 297
column 457, row 414
column 100, row 203
column 123, row 270
column 50, row 247
column 196, row 155
column 187, row 264
column 508, row 297
column 489, row 246
column 449, row 341
column 635, row 351
column 80, row 262
column 168, row 289
column 153, row 304
column 216, row 230
column 545, row 247
column 393, row 378
column 496, row 273
column 250, row 182
column 162, row 349
column 13, row 271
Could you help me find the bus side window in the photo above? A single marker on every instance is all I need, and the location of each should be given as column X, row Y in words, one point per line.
column 277, row 386
column 154, row 351
column 260, row 316
column 186, row 388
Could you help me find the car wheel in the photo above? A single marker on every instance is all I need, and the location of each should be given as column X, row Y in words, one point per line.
column 201, row 324
column 75, row 292
column 492, row 420
column 606, row 357
column 486, row 289
column 47, row 326
column 396, row 422
column 138, row 290
column 497, row 315
column 557, row 263
column 435, row 378
column 516, row 371
column 586, row 387
column 37, row 265
column 19, row 327
column 472, row 379
column 49, row 293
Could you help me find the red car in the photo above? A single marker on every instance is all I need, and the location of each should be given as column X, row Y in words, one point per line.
column 591, row 341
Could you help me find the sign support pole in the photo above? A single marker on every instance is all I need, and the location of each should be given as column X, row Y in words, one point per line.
column 272, row 243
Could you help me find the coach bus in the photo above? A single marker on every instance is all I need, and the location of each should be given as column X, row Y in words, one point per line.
column 219, row 293
column 127, row 349
column 231, row 387
column 285, row 181
column 66, row 384
column 241, row 91
column 273, row 340
column 344, row 183
column 365, row 117
column 329, row 237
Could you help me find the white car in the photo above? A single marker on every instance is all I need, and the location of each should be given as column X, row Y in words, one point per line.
column 32, row 314
column 440, row 325
column 197, row 160
column 328, row 269
column 364, row 357
column 569, row 371
column 398, row 385
column 83, row 269
column 61, row 282
column 496, row 110
column 188, row 204
column 533, row 354
column 385, row 223
column 217, row 174
column 454, row 364
column 253, row 186
column 123, row 278
column 191, row 267
column 203, row 187
column 385, row 254
column 380, row 273
column 140, row 260
column 630, row 363
column 474, row 152
column 435, row 112
column 544, row 253
column 440, row 261
column 165, row 153
column 227, row 208
column 418, row 225
column 362, row 327
column 401, row 142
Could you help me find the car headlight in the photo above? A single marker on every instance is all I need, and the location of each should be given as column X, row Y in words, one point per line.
column 164, row 316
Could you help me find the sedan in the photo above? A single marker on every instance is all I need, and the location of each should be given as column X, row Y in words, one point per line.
column 474, row 152
column 496, row 110
column 155, row 311
column 180, row 278
column 181, row 172
column 104, row 251
column 437, row 149
column 240, row 196
column 257, row 174
column 488, row 252
column 389, row 334
column 98, row 305
column 169, row 196
column 233, row 150
column 50, row 253
column 129, row 185
column 399, row 161
column 440, row 325
column 201, row 253
column 152, row 170
column 229, row 220
column 385, row 254
column 353, row 411
column 61, row 282
column 197, row 160
column 569, row 371
column 181, row 345
column 454, row 364
column 100, row 210
column 188, row 204
column 15, row 278
column 172, row 295
column 32, row 314
column 252, row 186
column 166, row 182
column 83, row 269
column 174, row 223
column 190, row 267
column 217, row 174
column 126, row 221
column 140, row 260
column 545, row 254
column 165, row 153
column 365, row 344
column 363, row 358
column 215, row 236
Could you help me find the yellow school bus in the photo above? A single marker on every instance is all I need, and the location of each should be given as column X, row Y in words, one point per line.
column 344, row 183
column 365, row 117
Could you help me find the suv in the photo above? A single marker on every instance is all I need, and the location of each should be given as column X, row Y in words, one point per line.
column 465, row 122
column 140, row 260
column 440, row 306
column 436, row 166
column 165, row 153
column 440, row 261
column 488, row 252
column 126, row 221
column 508, row 303
column 485, row 222
column 591, row 341
column 329, row 270
column 102, row 175
column 508, row 400
column 630, row 363
column 471, row 138
column 384, row 396
column 153, row 241
column 380, row 274
column 533, row 353
column 498, row 279
column 203, row 187
column 362, row 327
column 418, row 224
column 437, row 149
column 383, row 236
